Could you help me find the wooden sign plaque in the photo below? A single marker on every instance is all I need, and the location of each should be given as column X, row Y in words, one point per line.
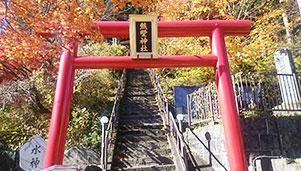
column 143, row 36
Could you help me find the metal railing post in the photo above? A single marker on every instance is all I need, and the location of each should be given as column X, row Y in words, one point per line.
column 180, row 118
column 262, row 96
column 104, row 120
column 189, row 109
column 298, row 88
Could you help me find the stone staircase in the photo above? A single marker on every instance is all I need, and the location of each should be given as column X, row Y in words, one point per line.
column 141, row 143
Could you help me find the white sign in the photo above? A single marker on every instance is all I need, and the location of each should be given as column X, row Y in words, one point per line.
column 32, row 154
column 285, row 65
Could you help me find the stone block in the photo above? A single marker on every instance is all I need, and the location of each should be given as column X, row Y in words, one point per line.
column 258, row 140
column 253, row 125
column 269, row 141
column 272, row 126
column 289, row 141
column 80, row 155
column 298, row 153
column 62, row 168
column 289, row 153
column 251, row 141
column 276, row 152
column 279, row 164
column 287, row 126
column 298, row 122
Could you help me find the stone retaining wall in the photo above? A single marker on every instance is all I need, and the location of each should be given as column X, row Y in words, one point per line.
column 262, row 137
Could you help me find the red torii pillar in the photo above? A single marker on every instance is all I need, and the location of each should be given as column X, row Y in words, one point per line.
column 215, row 29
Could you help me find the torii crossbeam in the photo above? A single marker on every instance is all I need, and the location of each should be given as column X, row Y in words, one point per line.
column 215, row 29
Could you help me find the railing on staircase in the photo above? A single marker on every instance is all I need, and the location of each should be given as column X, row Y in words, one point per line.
column 169, row 121
column 107, row 134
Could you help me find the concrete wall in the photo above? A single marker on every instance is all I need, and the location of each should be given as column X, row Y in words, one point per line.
column 262, row 137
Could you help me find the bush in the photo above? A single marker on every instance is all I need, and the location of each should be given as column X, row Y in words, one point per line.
column 26, row 104
column 26, row 108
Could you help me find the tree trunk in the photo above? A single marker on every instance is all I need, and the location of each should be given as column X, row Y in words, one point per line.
column 299, row 4
column 287, row 29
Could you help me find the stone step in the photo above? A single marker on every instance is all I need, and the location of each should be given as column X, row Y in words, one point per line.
column 130, row 98
column 168, row 167
column 147, row 85
column 151, row 144
column 140, row 126
column 138, row 101
column 136, row 114
column 141, row 122
column 136, row 71
column 146, row 114
column 146, row 90
column 137, row 110
column 128, row 116
column 139, row 83
column 151, row 160
column 142, row 132
column 139, row 98
column 138, row 76
column 142, row 103
column 137, row 138
column 148, row 120
column 141, row 142
column 145, row 152
column 140, row 86
column 139, row 93
column 130, row 154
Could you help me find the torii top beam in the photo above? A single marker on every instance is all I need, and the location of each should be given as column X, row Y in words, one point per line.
column 120, row 29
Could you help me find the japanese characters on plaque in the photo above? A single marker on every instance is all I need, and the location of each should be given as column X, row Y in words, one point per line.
column 143, row 36
column 32, row 154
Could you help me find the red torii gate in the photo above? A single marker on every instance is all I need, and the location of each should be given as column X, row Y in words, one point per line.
column 215, row 29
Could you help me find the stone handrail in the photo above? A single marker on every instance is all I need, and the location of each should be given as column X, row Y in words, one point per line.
column 169, row 121
column 107, row 141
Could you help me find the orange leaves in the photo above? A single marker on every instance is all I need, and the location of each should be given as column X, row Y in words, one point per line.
column 23, row 45
column 20, row 51
column 115, row 9
column 2, row 10
column 121, row 4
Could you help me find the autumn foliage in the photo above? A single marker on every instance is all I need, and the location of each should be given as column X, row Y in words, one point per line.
column 252, row 53
column 24, row 22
